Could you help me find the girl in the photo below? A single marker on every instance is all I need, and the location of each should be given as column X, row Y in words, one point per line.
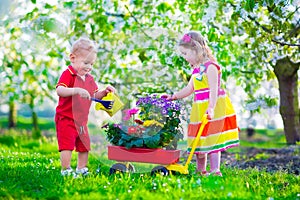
column 221, row 132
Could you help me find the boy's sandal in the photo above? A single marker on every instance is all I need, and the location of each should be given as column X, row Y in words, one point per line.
column 84, row 171
column 68, row 172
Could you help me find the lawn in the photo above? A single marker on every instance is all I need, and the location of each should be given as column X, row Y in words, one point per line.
column 30, row 169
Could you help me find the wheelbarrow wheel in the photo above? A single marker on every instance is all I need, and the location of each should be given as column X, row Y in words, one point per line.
column 117, row 168
column 161, row 170
column 130, row 168
column 175, row 172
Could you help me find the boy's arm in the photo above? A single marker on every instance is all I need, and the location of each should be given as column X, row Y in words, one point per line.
column 102, row 93
column 66, row 92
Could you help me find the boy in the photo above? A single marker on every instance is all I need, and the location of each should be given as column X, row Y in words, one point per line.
column 75, row 88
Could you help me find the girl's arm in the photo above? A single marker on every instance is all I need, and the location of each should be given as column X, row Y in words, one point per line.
column 186, row 91
column 66, row 92
column 212, row 76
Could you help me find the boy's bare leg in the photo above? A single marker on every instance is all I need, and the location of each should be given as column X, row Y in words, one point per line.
column 82, row 159
column 65, row 159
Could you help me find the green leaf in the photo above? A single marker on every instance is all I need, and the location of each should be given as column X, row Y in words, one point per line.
column 211, row 34
column 45, row 72
column 12, row 30
column 68, row 4
column 128, row 145
column 126, row 137
column 142, row 56
column 152, row 142
column 162, row 58
column 138, row 2
column 250, row 4
column 33, row 1
column 164, row 7
column 48, row 6
column 138, row 142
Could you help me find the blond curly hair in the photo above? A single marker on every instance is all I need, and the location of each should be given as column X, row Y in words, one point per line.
column 83, row 44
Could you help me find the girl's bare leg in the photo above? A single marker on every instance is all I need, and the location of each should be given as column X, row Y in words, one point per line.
column 215, row 160
column 201, row 162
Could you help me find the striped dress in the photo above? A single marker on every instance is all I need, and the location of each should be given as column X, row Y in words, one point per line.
column 221, row 132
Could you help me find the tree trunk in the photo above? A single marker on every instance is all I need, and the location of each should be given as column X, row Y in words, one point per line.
column 34, row 120
column 12, row 115
column 286, row 73
column 36, row 132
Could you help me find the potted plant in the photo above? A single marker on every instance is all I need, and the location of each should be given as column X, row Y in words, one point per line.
column 154, row 123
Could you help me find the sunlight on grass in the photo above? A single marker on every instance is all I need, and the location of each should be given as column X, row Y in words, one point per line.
column 30, row 169
column 35, row 173
column 263, row 139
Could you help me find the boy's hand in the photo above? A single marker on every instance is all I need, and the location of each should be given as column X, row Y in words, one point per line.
column 82, row 93
column 109, row 89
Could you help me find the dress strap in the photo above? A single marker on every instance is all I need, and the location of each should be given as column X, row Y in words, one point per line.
column 213, row 63
column 218, row 67
column 197, row 69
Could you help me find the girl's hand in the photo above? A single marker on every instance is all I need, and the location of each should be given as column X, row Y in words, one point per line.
column 82, row 93
column 210, row 113
column 167, row 96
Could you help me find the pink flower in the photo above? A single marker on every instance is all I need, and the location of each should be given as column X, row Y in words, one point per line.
column 133, row 111
column 129, row 113
column 132, row 130
column 126, row 117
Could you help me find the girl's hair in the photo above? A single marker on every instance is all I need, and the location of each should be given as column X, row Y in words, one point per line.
column 194, row 41
column 84, row 44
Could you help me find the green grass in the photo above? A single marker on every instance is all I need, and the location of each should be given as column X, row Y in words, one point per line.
column 263, row 138
column 30, row 175
column 30, row 169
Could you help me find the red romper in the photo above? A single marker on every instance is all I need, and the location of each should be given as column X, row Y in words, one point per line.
column 72, row 112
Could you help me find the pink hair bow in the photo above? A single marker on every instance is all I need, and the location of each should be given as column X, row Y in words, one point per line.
column 186, row 38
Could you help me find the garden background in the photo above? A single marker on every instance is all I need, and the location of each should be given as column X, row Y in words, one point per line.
column 256, row 42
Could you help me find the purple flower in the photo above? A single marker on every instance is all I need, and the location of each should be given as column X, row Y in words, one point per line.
column 152, row 104
column 177, row 107
column 164, row 111
column 117, row 125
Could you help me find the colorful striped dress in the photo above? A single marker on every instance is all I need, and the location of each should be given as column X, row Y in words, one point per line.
column 221, row 132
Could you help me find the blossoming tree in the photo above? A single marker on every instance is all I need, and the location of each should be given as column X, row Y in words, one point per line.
column 254, row 41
